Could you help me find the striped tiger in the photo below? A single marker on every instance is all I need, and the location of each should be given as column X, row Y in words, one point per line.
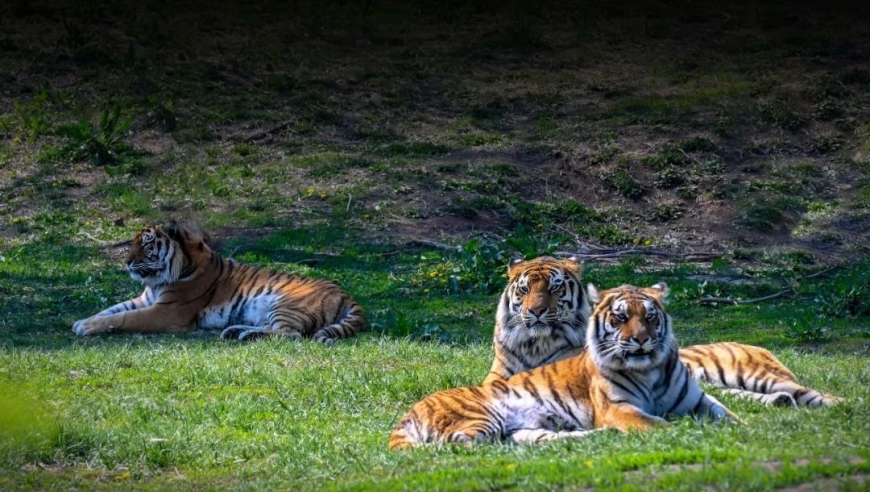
column 751, row 372
column 542, row 315
column 630, row 378
column 188, row 285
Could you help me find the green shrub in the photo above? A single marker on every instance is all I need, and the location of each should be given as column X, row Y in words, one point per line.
column 623, row 183
column 99, row 143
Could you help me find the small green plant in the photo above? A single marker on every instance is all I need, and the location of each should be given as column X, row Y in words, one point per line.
column 698, row 144
column 530, row 243
column 669, row 177
column 824, row 143
column 622, row 181
column 780, row 114
column 74, row 39
column 846, row 301
column 481, row 267
column 666, row 211
column 808, row 330
column 31, row 117
column 605, row 153
column 688, row 192
column 827, row 109
column 101, row 143
column 163, row 113
column 395, row 323
column 606, row 234
column 762, row 217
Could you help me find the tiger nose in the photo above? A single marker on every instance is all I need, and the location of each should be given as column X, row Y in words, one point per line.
column 641, row 339
column 540, row 312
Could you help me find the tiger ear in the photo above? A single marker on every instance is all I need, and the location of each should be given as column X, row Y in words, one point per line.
column 660, row 290
column 573, row 263
column 594, row 296
column 513, row 268
column 171, row 229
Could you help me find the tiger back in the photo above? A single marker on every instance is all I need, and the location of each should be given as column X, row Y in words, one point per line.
column 541, row 316
column 189, row 285
column 630, row 378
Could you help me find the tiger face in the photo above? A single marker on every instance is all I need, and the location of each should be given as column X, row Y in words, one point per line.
column 543, row 299
column 629, row 328
column 164, row 254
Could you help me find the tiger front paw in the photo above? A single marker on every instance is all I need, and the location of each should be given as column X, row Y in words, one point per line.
column 90, row 326
column 781, row 399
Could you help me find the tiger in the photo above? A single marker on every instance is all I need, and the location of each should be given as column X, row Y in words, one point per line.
column 630, row 378
column 189, row 285
column 543, row 309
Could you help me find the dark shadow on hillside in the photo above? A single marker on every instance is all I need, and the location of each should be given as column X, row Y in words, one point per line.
column 581, row 96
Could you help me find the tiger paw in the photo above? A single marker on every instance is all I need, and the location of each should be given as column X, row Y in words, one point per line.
column 89, row 326
column 781, row 399
column 252, row 334
column 233, row 332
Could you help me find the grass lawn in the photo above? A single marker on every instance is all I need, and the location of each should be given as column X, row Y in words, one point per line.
column 189, row 411
column 328, row 138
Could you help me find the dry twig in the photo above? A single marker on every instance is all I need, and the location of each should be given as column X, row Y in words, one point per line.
column 784, row 292
column 434, row 244
column 639, row 251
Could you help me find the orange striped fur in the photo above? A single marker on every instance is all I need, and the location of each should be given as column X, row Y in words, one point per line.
column 188, row 285
column 750, row 372
column 630, row 378
column 523, row 341
column 541, row 317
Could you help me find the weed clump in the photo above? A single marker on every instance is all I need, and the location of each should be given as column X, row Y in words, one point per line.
column 101, row 143
column 762, row 217
column 824, row 143
column 780, row 114
column 846, row 301
column 622, row 182
column 666, row 211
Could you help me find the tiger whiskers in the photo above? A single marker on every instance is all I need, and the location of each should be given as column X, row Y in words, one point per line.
column 515, row 321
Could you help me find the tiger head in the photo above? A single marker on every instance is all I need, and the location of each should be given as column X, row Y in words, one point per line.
column 164, row 254
column 543, row 299
column 629, row 328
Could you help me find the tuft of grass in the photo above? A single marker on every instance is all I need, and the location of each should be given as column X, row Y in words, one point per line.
column 100, row 143
column 778, row 112
column 623, row 182
column 762, row 217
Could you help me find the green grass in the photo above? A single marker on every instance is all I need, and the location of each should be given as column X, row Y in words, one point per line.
column 320, row 139
column 190, row 411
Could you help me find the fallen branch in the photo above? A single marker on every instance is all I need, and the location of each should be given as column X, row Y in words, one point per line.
column 823, row 272
column 735, row 302
column 105, row 244
column 636, row 251
column 434, row 244
column 99, row 242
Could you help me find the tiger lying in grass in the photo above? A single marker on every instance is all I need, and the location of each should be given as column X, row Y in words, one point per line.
column 542, row 316
column 629, row 378
column 188, row 285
